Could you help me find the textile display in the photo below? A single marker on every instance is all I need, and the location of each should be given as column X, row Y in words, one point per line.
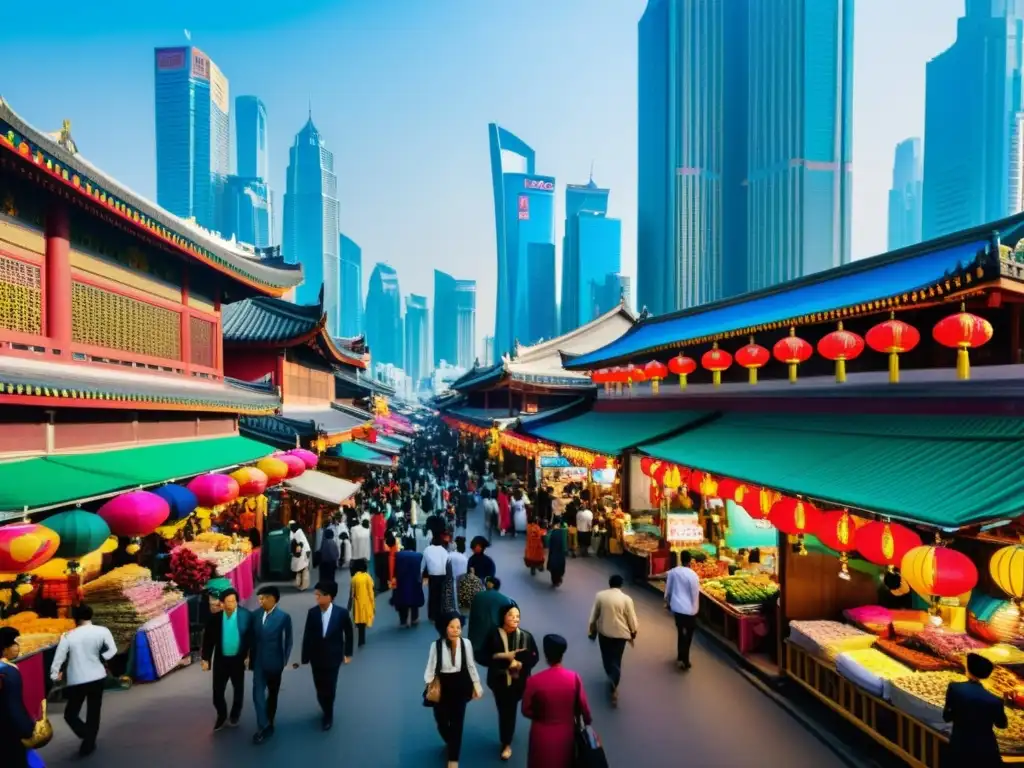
column 163, row 646
column 180, row 626
column 241, row 579
column 256, row 559
column 143, row 669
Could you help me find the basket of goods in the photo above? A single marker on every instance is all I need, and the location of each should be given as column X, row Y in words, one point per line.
column 923, row 696
column 871, row 670
column 828, row 638
column 1011, row 738
column 915, row 658
column 948, row 644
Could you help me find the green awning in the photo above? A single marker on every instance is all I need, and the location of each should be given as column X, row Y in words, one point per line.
column 945, row 471
column 353, row 451
column 52, row 480
column 611, row 433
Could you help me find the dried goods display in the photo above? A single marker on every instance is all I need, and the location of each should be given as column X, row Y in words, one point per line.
column 870, row 618
column 645, row 543
column 912, row 657
column 29, row 623
column 1002, row 654
column 923, row 696
column 1002, row 682
column 828, row 638
column 948, row 644
column 1011, row 738
column 871, row 670
column 30, row 643
column 222, row 542
column 126, row 598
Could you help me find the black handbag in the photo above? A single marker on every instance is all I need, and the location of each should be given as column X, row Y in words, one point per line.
column 589, row 750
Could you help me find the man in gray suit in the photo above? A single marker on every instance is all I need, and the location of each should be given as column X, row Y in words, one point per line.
column 272, row 645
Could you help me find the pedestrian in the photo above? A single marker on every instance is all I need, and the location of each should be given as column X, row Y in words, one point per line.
column 326, row 645
column 534, row 555
column 458, row 559
column 511, row 654
column 682, row 596
column 467, row 586
column 613, row 623
column 362, row 602
column 361, row 545
column 572, row 542
column 450, row 663
column 16, row 723
column 86, row 649
column 504, row 512
column 301, row 556
column 435, row 562
column 552, row 699
column 329, row 555
column 271, row 648
column 518, row 509
column 378, row 530
column 407, row 597
column 490, row 511
column 344, row 550
column 485, row 615
column 584, row 528
column 480, row 562
column 227, row 639
column 558, row 545
column 974, row 712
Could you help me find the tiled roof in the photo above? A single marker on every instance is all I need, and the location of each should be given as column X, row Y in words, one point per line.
column 278, row 431
column 266, row 320
column 333, row 421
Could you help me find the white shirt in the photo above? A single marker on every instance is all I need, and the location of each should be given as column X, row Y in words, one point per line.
column 360, row 539
column 325, row 618
column 460, row 564
column 584, row 521
column 85, row 648
column 682, row 591
column 267, row 613
column 448, row 667
column 435, row 558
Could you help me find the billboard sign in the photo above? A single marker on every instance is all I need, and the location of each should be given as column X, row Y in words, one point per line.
column 170, row 59
column 542, row 185
column 524, row 207
column 219, row 88
column 200, row 65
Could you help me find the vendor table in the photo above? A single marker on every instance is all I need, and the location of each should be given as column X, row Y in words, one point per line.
column 180, row 624
column 256, row 558
column 33, row 670
column 745, row 630
column 241, row 577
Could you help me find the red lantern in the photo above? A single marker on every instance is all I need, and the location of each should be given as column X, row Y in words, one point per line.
column 658, row 473
column 792, row 350
column 634, row 374
column 963, row 331
column 716, row 360
column 296, row 466
column 682, row 366
column 655, row 372
column 599, row 462
column 795, row 517
column 893, row 338
column 645, row 465
column 886, row 543
column 752, row 357
column 727, row 488
column 838, row 531
column 938, row 572
column 840, row 346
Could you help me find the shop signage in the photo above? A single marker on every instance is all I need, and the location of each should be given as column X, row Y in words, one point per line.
column 170, row 59
column 554, row 461
column 684, row 528
column 546, row 186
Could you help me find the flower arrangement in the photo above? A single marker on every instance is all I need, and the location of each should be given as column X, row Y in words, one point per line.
column 188, row 571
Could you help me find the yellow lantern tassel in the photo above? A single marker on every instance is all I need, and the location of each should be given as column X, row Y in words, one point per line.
column 752, row 375
column 716, row 378
column 655, row 385
column 963, row 364
column 792, row 373
column 841, row 371
column 682, row 381
column 894, row 368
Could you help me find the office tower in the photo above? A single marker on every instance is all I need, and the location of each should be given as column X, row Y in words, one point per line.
column 488, row 350
column 417, row 338
column 591, row 252
column 351, row 289
column 537, row 303
column 193, row 139
column 523, row 219
column 465, row 322
column 384, row 331
column 311, row 222
column 626, row 290
column 906, row 194
column 446, row 342
column 745, row 146
column 612, row 292
column 246, row 212
column 971, row 117
column 251, row 138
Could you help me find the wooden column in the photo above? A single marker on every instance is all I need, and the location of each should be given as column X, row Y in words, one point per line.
column 58, row 279
column 185, row 325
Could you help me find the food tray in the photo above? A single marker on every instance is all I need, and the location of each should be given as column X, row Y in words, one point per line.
column 872, row 670
column 916, row 660
column 923, row 696
column 828, row 638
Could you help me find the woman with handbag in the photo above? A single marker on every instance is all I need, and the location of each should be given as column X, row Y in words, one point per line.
column 17, row 729
column 510, row 654
column 452, row 681
column 555, row 702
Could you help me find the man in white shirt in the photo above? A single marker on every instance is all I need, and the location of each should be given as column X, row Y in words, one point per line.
column 613, row 623
column 86, row 648
column 435, row 569
column 361, row 544
column 458, row 558
column 682, row 596
column 584, row 529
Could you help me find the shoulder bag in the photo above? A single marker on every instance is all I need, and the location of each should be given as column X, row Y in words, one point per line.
column 432, row 691
column 589, row 750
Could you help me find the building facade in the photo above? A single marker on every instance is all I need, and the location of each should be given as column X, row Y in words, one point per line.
column 446, row 342
column 591, row 255
column 417, row 338
column 384, row 330
column 465, row 323
column 906, row 195
column 973, row 106
column 251, row 138
column 351, row 289
column 311, row 236
column 193, row 134
column 246, row 212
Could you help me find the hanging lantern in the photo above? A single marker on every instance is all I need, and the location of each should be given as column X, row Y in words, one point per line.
column 309, row 459
column 26, row 546
column 80, row 534
column 963, row 332
column 251, row 481
column 840, row 346
column 727, row 489
column 795, row 517
column 600, row 377
column 1007, row 570
column 716, row 360
column 655, row 372
column 673, row 477
column 658, row 473
column 275, row 469
column 599, row 462
column 758, row 502
column 682, row 366
column 709, row 486
column 837, row 531
column 181, row 500
column 645, row 465
column 135, row 514
column 893, row 337
column 214, row 490
column 792, row 350
column 634, row 375
column 752, row 357
column 884, row 543
column 935, row 572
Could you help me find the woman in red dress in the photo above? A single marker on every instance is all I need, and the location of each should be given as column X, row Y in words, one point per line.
column 504, row 512
column 551, row 700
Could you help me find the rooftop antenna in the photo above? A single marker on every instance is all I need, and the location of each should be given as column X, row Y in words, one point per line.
column 591, row 171
column 188, row 35
column 310, row 103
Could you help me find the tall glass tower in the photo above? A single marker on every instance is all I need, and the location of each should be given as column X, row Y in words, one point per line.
column 251, row 137
column 446, row 343
column 311, row 235
column 417, row 338
column 906, row 194
column 248, row 202
column 465, row 323
column 351, row 289
column 193, row 134
column 972, row 119
column 591, row 252
column 384, row 331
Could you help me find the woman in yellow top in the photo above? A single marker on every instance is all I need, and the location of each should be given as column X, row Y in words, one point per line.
column 362, row 600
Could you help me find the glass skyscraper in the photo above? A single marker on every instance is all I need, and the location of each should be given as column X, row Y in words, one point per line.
column 193, row 135
column 351, row 289
column 251, row 138
column 591, row 252
column 246, row 212
column 417, row 339
column 384, row 331
column 465, row 323
column 906, row 195
column 311, row 236
column 446, row 343
column 972, row 120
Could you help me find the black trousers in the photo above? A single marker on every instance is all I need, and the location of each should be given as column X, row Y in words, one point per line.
column 584, row 540
column 325, row 680
column 450, row 714
column 361, row 634
column 90, row 694
column 405, row 614
column 611, row 657
column 381, row 566
column 327, row 571
column 435, row 593
column 265, row 688
column 508, row 710
column 227, row 668
column 686, row 626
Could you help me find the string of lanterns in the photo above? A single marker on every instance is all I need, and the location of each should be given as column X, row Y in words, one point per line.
column 584, row 458
column 481, row 433
column 521, row 445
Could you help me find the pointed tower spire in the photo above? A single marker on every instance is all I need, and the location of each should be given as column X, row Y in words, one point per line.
column 309, row 102
column 591, row 172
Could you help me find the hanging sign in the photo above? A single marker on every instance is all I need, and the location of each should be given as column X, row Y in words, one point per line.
column 684, row 529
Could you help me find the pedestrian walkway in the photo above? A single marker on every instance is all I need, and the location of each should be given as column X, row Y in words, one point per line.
column 709, row 717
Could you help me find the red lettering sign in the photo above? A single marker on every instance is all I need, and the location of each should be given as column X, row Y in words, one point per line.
column 524, row 202
column 546, row 186
column 170, row 60
column 200, row 65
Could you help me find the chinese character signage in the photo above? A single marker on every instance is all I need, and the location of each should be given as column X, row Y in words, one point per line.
column 524, row 207
column 200, row 65
column 170, row 59
column 684, row 529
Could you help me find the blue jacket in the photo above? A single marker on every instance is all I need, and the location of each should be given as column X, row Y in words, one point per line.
column 211, row 649
column 408, row 591
column 272, row 640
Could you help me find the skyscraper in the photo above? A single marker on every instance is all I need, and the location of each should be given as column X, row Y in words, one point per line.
column 745, row 141
column 536, row 302
column 465, row 323
column 524, row 219
column 417, row 338
column 384, row 331
column 488, row 349
column 311, row 222
column 446, row 341
column 246, row 212
column 591, row 253
column 193, row 134
column 972, row 117
column 905, row 195
column 351, row 290
column 251, row 138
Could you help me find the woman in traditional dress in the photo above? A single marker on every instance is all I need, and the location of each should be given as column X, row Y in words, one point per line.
column 520, row 519
column 504, row 512
column 362, row 601
column 534, row 556
column 551, row 701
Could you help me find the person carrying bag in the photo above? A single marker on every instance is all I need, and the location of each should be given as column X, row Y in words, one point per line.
column 589, row 750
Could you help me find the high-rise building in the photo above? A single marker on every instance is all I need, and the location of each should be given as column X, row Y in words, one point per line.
column 537, row 303
column 384, row 331
column 488, row 350
column 591, row 253
column 972, row 113
column 446, row 343
column 745, row 142
column 351, row 289
column 311, row 235
column 193, row 135
column 465, row 323
column 905, row 195
column 524, row 219
column 246, row 212
column 417, row 338
column 251, row 138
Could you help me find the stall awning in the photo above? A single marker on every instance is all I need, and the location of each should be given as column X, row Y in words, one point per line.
column 355, row 452
column 611, row 433
column 382, row 445
column 317, row 485
column 52, row 480
column 331, row 421
column 946, row 471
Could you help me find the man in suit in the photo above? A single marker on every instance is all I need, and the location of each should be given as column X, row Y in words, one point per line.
column 326, row 645
column 974, row 712
column 272, row 645
column 227, row 640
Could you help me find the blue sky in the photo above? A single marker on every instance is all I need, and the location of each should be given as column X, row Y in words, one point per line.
column 403, row 90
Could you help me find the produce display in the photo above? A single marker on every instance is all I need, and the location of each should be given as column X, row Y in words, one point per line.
column 918, row 660
column 828, row 638
column 126, row 598
column 948, row 644
column 222, row 542
column 709, row 569
column 1011, row 738
column 871, row 670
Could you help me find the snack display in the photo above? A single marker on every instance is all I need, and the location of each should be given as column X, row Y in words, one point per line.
column 870, row 618
column 1002, row 654
column 709, row 569
column 1011, row 738
column 1001, row 682
column 126, row 598
column 828, row 638
column 642, row 543
column 29, row 623
column 913, row 658
column 923, row 696
column 871, row 670
column 947, row 644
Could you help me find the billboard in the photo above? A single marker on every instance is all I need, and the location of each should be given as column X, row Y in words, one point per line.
column 170, row 59
column 524, row 207
column 218, row 88
column 541, row 185
column 200, row 65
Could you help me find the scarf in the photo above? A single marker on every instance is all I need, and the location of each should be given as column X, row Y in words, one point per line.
column 520, row 644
